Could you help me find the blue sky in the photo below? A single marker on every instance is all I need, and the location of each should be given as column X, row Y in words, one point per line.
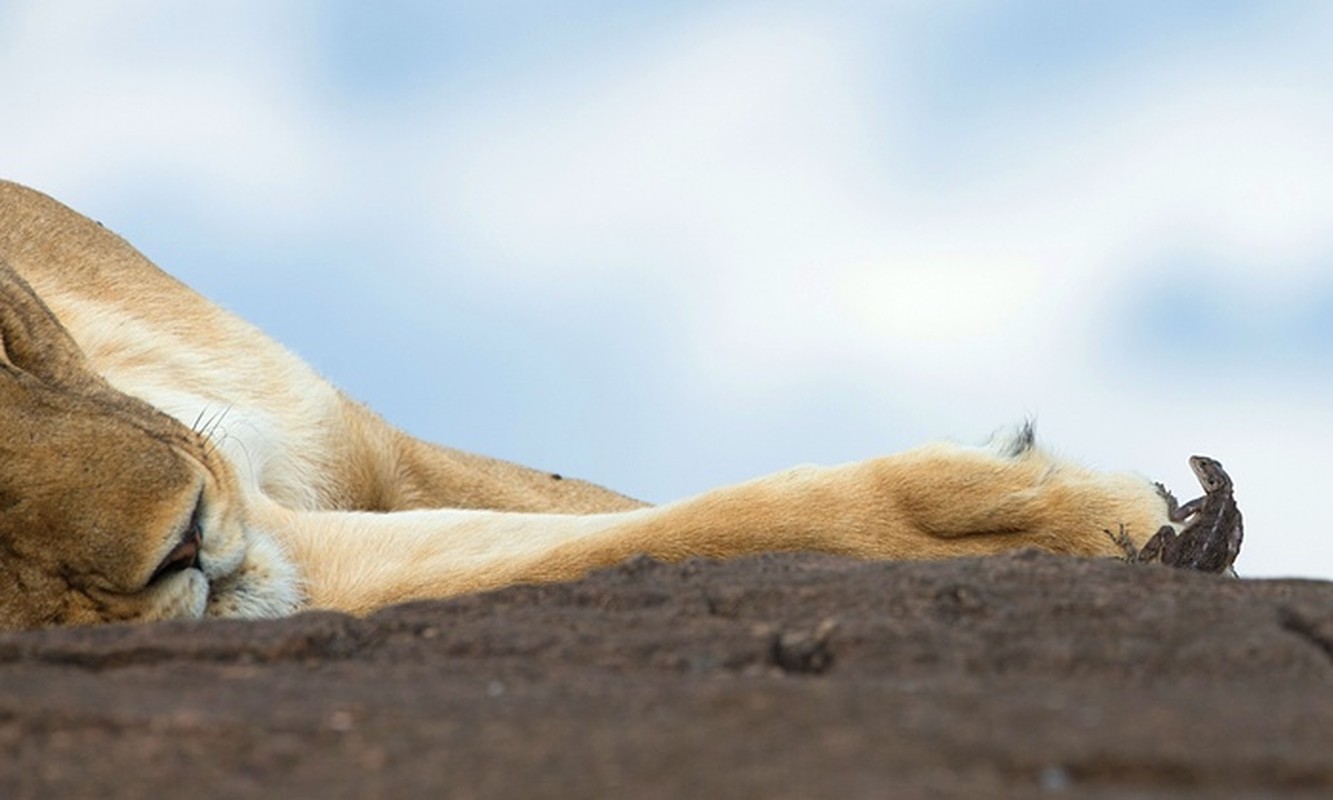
column 671, row 245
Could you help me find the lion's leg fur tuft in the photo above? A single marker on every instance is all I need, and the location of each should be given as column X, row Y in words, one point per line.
column 1016, row 441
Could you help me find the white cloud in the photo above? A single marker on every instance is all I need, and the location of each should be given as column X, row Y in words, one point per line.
column 738, row 164
column 700, row 144
column 207, row 100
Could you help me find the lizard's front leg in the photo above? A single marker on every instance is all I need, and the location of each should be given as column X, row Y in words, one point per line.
column 1175, row 510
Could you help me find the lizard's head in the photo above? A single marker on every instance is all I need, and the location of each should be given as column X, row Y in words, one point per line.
column 1209, row 472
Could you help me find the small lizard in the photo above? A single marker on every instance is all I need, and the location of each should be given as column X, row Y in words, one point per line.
column 1210, row 538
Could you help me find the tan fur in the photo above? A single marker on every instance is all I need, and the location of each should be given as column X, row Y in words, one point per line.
column 132, row 406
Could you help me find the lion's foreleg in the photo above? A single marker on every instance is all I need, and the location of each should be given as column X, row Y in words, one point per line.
column 986, row 499
column 934, row 502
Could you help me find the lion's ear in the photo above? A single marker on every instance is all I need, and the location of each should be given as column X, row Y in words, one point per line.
column 33, row 340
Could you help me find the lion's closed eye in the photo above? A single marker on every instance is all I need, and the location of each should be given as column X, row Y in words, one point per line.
column 185, row 554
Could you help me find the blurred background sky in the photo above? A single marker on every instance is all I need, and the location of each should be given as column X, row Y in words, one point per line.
column 670, row 245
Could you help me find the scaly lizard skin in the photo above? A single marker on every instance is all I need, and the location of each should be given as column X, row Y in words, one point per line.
column 1210, row 539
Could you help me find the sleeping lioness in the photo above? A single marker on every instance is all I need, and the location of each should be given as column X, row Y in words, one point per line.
column 163, row 459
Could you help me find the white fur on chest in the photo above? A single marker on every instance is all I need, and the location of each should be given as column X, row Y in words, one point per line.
column 267, row 412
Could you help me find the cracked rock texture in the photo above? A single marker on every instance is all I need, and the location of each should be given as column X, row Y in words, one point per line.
column 773, row 676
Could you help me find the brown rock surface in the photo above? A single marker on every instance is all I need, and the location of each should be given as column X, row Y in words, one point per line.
column 774, row 676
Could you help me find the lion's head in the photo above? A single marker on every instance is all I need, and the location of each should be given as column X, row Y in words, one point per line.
column 109, row 509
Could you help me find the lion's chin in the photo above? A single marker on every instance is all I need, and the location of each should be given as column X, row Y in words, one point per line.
column 264, row 585
column 184, row 596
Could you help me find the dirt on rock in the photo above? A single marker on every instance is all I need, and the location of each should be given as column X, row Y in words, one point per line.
column 774, row 676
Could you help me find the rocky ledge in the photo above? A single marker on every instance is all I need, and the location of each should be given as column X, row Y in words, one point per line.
column 774, row 676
